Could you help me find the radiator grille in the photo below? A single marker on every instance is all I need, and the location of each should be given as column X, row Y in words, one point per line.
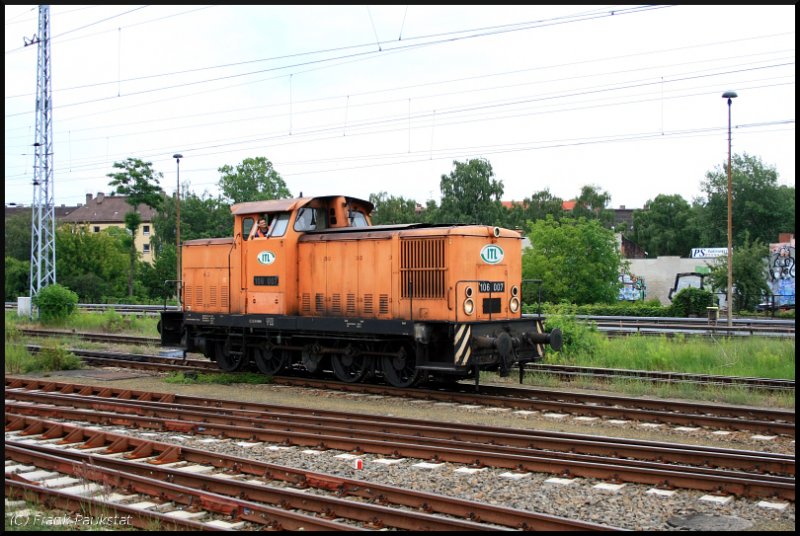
column 422, row 267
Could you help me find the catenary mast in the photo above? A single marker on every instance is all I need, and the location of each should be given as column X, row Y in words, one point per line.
column 43, row 237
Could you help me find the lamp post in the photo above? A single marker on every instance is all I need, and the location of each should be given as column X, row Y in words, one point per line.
column 730, row 95
column 177, row 158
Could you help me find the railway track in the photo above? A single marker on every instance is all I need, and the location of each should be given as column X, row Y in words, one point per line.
column 672, row 326
column 564, row 371
column 572, row 372
column 741, row 473
column 241, row 493
column 522, row 398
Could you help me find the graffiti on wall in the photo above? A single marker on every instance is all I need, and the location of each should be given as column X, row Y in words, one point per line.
column 633, row 288
column 687, row 280
column 782, row 272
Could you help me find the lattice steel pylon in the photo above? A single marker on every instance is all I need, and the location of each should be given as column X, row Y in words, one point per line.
column 43, row 221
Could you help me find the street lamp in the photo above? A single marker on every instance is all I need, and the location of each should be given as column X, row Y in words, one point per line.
column 730, row 95
column 177, row 158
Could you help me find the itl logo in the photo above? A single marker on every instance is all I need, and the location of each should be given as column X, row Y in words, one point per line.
column 492, row 254
column 266, row 257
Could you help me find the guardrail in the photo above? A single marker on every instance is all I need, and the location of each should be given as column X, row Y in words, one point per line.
column 613, row 325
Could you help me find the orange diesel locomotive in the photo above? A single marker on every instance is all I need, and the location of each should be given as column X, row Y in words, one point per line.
column 328, row 290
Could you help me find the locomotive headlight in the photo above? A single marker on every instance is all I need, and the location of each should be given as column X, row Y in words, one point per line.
column 469, row 292
column 513, row 305
column 469, row 306
column 514, row 290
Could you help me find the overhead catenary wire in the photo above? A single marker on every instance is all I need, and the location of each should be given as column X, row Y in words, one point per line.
column 473, row 104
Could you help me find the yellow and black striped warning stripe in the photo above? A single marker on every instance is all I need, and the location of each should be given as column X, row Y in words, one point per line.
column 463, row 351
column 539, row 347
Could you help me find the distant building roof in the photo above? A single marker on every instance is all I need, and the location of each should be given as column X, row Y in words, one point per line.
column 566, row 205
column 60, row 212
column 106, row 209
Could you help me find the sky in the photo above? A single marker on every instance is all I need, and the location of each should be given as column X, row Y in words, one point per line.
column 356, row 100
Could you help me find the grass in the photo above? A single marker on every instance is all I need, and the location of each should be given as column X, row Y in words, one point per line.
column 750, row 356
column 50, row 358
column 107, row 322
column 760, row 357
column 38, row 517
column 221, row 378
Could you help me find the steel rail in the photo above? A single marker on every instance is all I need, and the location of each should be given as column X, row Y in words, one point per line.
column 143, row 519
column 167, row 484
column 415, row 447
column 585, row 404
column 241, row 499
column 674, row 412
column 505, row 439
column 564, row 370
column 570, row 371
column 132, row 448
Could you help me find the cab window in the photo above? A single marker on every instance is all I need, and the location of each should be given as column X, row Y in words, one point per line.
column 357, row 219
column 310, row 219
column 247, row 226
column 279, row 224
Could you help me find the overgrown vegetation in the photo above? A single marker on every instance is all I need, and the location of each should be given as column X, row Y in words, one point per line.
column 108, row 321
column 692, row 302
column 217, row 378
column 751, row 356
column 50, row 358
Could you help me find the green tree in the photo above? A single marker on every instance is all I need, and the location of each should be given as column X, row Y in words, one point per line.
column 139, row 183
column 92, row 264
column 253, row 180
column 760, row 206
column 591, row 204
column 153, row 277
column 750, row 273
column 391, row 209
column 18, row 236
column 665, row 226
column 17, row 278
column 578, row 261
column 535, row 207
column 470, row 194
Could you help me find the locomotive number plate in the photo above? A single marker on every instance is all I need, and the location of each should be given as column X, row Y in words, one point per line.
column 492, row 286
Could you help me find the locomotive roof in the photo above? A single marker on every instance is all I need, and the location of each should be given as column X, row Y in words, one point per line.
column 284, row 205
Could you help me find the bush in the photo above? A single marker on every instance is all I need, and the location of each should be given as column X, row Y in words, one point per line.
column 55, row 303
column 648, row 308
column 692, row 302
column 580, row 339
column 113, row 322
column 52, row 358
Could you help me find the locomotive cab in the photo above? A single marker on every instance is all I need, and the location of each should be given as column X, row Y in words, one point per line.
column 269, row 264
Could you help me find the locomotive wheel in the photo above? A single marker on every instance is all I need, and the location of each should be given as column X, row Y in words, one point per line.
column 270, row 361
column 400, row 370
column 349, row 366
column 228, row 360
